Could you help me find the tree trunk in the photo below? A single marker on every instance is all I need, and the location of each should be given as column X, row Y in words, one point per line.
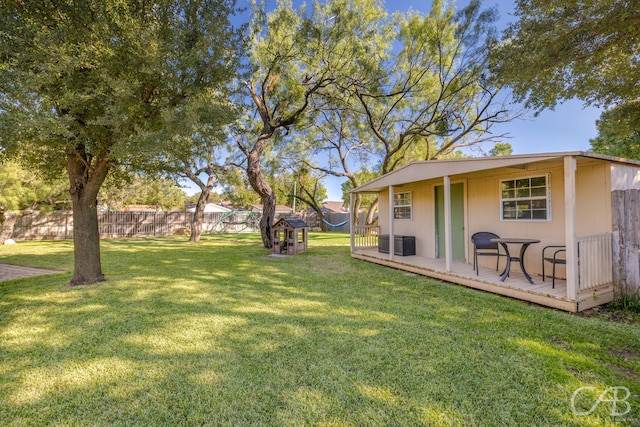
column 205, row 192
column 198, row 217
column 323, row 225
column 266, row 222
column 372, row 211
column 85, row 182
column 262, row 187
column 357, row 203
column 313, row 204
column 86, row 241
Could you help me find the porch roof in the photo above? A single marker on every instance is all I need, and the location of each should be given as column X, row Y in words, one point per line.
column 431, row 169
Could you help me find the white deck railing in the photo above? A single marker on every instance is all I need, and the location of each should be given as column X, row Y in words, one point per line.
column 595, row 261
column 365, row 236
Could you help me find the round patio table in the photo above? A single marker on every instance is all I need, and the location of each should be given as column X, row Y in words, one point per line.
column 524, row 242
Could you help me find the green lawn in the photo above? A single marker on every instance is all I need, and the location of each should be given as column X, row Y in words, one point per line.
column 218, row 333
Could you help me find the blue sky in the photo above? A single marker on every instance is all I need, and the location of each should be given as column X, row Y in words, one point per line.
column 567, row 128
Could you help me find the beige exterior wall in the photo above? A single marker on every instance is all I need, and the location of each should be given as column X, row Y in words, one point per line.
column 593, row 199
column 484, row 202
column 422, row 222
column 482, row 208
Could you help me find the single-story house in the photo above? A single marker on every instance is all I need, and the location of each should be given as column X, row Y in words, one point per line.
column 330, row 206
column 587, row 203
column 281, row 210
column 210, row 207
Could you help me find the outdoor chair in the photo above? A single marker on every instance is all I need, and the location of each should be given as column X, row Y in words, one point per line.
column 557, row 258
column 483, row 246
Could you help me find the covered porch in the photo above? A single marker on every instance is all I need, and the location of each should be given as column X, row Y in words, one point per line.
column 590, row 293
column 435, row 207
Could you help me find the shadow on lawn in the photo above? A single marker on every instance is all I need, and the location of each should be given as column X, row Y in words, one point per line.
column 221, row 334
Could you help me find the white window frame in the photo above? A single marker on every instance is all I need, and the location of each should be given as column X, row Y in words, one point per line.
column 510, row 195
column 401, row 197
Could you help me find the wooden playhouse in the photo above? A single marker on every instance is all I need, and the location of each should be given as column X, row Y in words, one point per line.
column 290, row 236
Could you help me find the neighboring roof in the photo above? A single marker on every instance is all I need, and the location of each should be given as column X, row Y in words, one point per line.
column 293, row 222
column 210, row 207
column 431, row 169
column 334, row 206
column 279, row 208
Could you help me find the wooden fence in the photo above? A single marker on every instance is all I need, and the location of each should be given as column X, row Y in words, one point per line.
column 58, row 225
column 333, row 221
column 625, row 205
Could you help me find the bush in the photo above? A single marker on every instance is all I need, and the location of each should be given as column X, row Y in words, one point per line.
column 629, row 302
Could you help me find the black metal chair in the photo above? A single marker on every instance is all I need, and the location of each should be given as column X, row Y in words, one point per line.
column 483, row 246
column 554, row 260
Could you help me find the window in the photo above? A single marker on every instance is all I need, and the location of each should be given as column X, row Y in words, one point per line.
column 525, row 199
column 402, row 206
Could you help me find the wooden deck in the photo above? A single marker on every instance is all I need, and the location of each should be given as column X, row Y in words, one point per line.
column 515, row 286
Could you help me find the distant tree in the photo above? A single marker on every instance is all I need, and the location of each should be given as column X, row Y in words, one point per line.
column 192, row 199
column 203, row 167
column 163, row 193
column 311, row 192
column 85, row 86
column 501, row 149
column 563, row 49
column 619, row 131
column 284, row 186
column 160, row 192
column 214, row 197
column 368, row 202
column 237, row 190
column 22, row 189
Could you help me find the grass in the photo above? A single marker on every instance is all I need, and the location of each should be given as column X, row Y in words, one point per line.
column 218, row 333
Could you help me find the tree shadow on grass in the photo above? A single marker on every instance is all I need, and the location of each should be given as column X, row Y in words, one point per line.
column 220, row 334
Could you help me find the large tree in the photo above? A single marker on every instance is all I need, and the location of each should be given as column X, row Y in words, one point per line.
column 563, row 49
column 83, row 85
column 619, row 131
column 341, row 138
column 434, row 97
column 295, row 56
column 426, row 96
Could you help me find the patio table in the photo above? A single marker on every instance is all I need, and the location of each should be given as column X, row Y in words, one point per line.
column 524, row 242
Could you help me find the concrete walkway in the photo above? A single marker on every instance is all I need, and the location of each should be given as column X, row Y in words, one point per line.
column 10, row 272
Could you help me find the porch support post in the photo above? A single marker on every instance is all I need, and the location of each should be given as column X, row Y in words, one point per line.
column 570, row 227
column 352, row 240
column 448, row 250
column 392, row 248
